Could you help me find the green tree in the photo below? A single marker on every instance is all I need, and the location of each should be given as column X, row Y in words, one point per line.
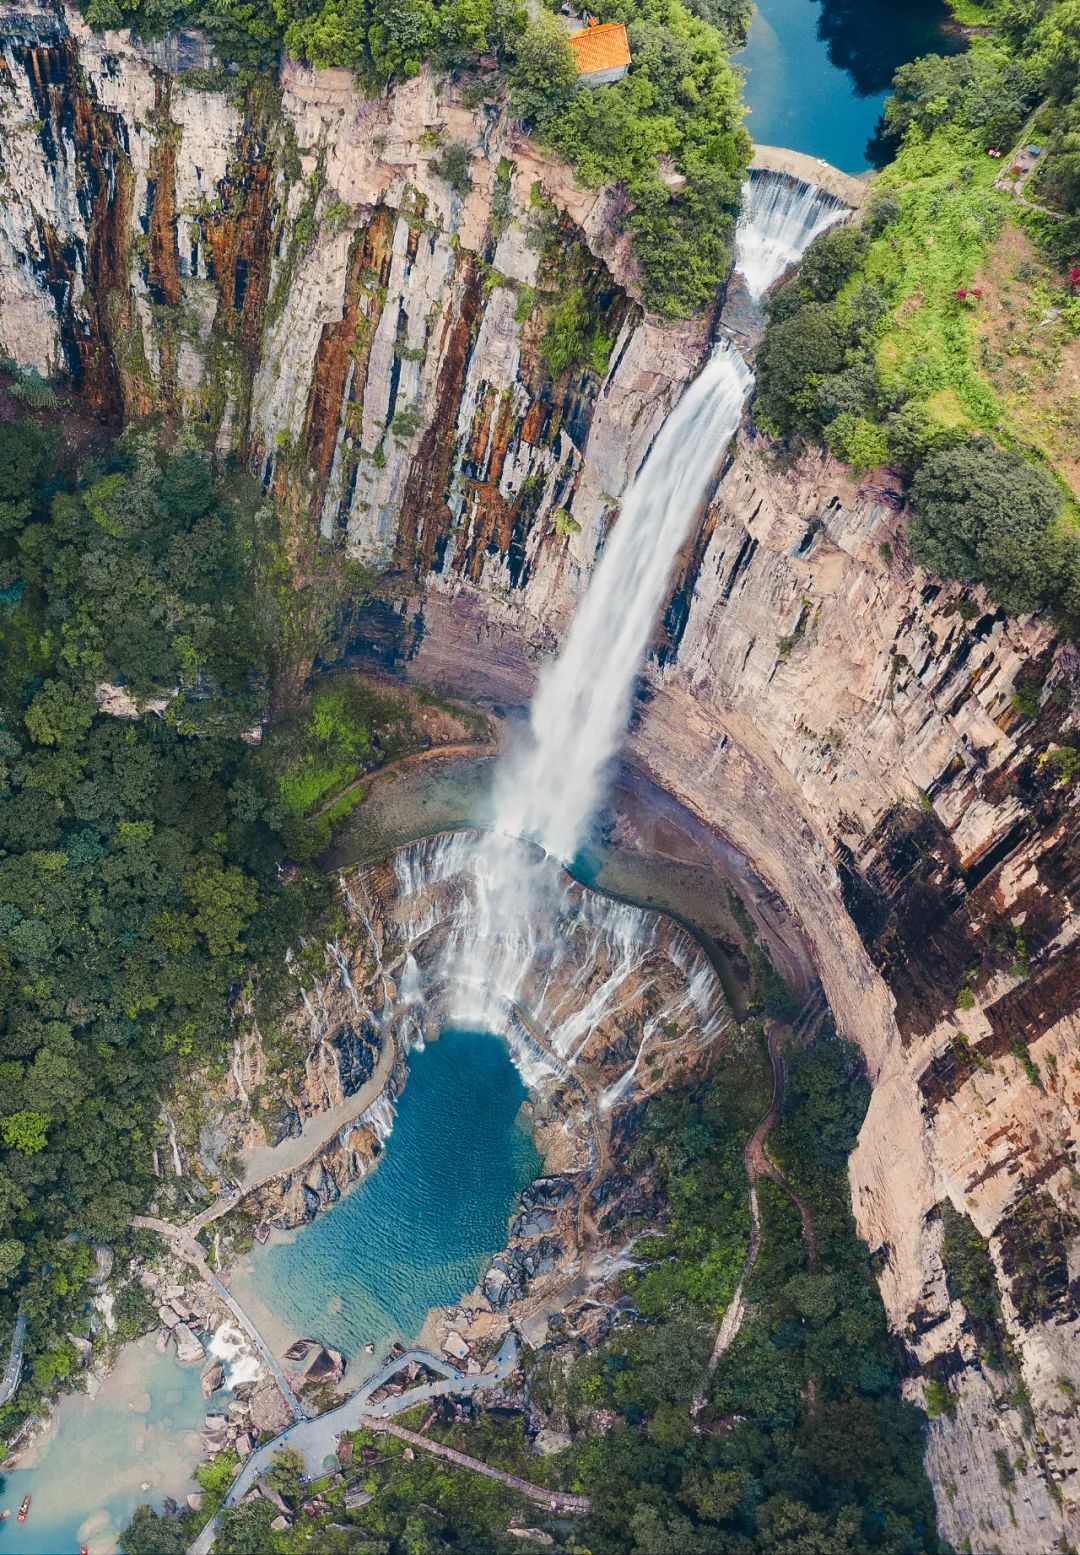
column 11, row 1257
column 544, row 73
column 59, row 714
column 149, row 1534
column 987, row 516
column 25, row 1131
column 224, row 899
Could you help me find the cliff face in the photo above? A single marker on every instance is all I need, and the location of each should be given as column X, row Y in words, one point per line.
column 292, row 272
column 848, row 723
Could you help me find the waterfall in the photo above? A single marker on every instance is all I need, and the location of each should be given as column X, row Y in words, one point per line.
column 780, row 217
column 550, row 787
column 514, row 918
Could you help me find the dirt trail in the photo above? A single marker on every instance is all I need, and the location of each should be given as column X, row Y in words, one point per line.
column 415, row 759
column 759, row 1163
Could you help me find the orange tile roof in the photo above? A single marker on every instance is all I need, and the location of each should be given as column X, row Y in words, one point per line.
column 600, row 48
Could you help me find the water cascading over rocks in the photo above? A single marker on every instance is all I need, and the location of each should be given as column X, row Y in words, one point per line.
column 781, row 217
column 548, row 790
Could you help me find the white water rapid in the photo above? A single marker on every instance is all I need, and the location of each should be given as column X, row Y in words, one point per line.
column 780, row 219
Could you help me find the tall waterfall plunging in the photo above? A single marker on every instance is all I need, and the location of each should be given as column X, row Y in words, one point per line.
column 781, row 216
column 549, row 788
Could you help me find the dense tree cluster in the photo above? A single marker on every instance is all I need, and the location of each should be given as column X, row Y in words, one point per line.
column 137, row 855
column 818, row 1455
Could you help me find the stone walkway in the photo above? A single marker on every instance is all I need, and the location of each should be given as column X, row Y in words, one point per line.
column 554, row 1500
column 185, row 1246
column 266, row 1163
column 317, row 1439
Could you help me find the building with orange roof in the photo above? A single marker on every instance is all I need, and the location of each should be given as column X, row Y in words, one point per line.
column 602, row 52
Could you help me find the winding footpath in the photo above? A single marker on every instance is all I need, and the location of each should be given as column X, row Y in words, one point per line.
column 13, row 1369
column 759, row 1163
column 317, row 1438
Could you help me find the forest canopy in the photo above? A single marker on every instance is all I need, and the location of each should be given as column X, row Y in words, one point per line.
column 137, row 854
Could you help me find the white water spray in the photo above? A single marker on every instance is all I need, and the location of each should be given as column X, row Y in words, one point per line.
column 780, row 218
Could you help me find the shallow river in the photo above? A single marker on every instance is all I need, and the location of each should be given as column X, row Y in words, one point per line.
column 106, row 1455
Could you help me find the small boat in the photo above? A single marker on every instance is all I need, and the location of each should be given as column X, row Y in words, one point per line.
column 23, row 1509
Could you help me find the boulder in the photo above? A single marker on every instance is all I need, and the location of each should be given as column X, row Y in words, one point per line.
column 188, row 1348
column 455, row 1346
column 195, row 1500
column 212, row 1379
column 161, row 1340
column 280, row 1523
column 168, row 1317
column 325, row 1366
column 548, row 1442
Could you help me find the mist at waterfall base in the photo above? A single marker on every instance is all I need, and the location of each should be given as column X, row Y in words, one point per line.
column 819, row 71
column 417, row 1231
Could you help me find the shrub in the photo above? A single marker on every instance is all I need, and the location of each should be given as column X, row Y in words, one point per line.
column 860, row 443
column 573, row 339
column 32, row 390
column 452, row 166
column 985, row 516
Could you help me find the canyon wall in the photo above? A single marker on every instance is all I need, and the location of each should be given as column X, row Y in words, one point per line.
column 290, row 271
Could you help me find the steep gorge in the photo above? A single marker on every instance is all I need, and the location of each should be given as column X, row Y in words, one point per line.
column 296, row 276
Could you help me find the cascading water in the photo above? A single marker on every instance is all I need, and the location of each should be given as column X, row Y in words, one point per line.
column 780, row 218
column 549, row 789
